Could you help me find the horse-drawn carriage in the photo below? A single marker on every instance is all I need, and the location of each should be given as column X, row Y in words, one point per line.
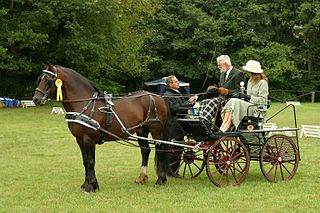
column 226, row 156
column 93, row 118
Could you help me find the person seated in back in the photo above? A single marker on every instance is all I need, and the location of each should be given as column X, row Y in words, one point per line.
column 229, row 84
column 257, row 93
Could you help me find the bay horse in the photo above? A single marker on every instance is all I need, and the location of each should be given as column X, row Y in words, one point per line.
column 94, row 117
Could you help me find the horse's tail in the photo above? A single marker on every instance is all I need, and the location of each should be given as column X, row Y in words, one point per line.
column 162, row 159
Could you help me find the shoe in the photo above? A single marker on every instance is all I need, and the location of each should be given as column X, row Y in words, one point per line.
column 217, row 134
column 215, row 128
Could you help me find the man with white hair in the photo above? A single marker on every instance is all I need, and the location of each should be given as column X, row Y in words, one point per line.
column 229, row 84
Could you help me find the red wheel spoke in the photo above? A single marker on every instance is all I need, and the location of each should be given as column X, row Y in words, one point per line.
column 270, row 170
column 280, row 166
column 275, row 173
column 220, row 168
column 174, row 162
column 279, row 158
column 234, row 176
column 229, row 159
column 284, row 166
column 236, row 156
column 227, row 176
column 241, row 169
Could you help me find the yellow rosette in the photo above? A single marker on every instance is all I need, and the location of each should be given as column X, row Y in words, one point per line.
column 58, row 84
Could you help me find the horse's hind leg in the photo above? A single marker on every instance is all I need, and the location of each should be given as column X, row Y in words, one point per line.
column 145, row 152
column 161, row 158
column 162, row 163
column 88, row 148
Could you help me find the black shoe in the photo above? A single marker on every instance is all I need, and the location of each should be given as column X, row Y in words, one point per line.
column 217, row 134
column 214, row 128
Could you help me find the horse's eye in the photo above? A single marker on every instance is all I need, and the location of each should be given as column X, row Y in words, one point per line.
column 49, row 83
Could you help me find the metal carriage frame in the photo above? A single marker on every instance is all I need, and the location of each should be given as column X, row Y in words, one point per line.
column 226, row 156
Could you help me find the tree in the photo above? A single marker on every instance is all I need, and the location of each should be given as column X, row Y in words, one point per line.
column 101, row 39
column 184, row 42
column 306, row 31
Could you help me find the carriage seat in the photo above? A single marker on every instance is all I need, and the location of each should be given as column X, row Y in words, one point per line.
column 255, row 119
column 193, row 127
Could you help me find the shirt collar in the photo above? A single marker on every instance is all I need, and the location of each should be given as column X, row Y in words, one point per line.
column 229, row 70
column 176, row 90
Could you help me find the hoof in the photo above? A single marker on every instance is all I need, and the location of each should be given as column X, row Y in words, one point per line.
column 161, row 181
column 142, row 179
column 89, row 187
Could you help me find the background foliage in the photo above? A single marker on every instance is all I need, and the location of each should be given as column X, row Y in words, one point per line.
column 119, row 44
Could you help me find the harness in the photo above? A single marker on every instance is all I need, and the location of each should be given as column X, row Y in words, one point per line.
column 52, row 76
column 80, row 118
column 88, row 121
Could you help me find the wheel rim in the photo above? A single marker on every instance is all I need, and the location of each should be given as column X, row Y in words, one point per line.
column 279, row 159
column 191, row 163
column 227, row 162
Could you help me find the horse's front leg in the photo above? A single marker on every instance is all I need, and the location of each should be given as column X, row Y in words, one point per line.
column 88, row 148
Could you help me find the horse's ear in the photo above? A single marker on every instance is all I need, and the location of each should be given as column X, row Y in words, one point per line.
column 45, row 66
column 51, row 67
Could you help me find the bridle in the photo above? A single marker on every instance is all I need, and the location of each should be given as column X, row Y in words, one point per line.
column 52, row 77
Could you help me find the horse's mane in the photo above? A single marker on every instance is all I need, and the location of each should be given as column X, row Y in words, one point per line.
column 81, row 77
column 140, row 93
column 100, row 92
column 136, row 93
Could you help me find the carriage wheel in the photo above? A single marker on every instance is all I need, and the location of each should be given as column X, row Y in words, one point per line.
column 279, row 159
column 189, row 164
column 227, row 162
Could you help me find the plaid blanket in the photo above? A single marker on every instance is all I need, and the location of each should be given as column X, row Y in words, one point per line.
column 209, row 107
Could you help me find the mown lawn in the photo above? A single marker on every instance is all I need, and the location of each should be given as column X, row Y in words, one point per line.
column 41, row 171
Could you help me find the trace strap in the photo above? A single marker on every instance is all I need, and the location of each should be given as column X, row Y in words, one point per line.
column 82, row 119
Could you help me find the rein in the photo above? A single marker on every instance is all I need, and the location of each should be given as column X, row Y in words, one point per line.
column 102, row 98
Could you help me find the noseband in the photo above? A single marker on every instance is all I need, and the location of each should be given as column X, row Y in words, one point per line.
column 52, row 76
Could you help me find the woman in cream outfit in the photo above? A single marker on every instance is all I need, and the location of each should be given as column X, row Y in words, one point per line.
column 257, row 93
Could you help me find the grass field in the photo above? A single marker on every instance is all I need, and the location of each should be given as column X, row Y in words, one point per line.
column 41, row 171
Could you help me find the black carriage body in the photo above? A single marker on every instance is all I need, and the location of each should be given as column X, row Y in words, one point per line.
column 271, row 147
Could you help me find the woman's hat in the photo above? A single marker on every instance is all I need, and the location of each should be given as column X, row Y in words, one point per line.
column 253, row 66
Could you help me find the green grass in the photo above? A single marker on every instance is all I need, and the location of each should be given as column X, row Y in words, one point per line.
column 41, row 171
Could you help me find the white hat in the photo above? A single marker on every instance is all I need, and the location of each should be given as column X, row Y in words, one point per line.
column 253, row 66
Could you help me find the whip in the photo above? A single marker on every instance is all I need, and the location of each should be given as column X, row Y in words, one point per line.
column 213, row 56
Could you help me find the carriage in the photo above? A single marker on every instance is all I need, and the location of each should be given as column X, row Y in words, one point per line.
column 95, row 117
column 226, row 156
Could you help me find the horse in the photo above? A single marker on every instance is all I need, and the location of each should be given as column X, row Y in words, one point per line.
column 95, row 117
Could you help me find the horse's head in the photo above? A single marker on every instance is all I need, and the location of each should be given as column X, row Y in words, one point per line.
column 45, row 84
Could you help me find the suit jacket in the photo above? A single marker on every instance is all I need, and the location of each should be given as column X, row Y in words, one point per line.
column 232, row 83
column 174, row 101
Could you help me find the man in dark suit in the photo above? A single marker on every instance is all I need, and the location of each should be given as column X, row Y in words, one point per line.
column 175, row 102
column 229, row 84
